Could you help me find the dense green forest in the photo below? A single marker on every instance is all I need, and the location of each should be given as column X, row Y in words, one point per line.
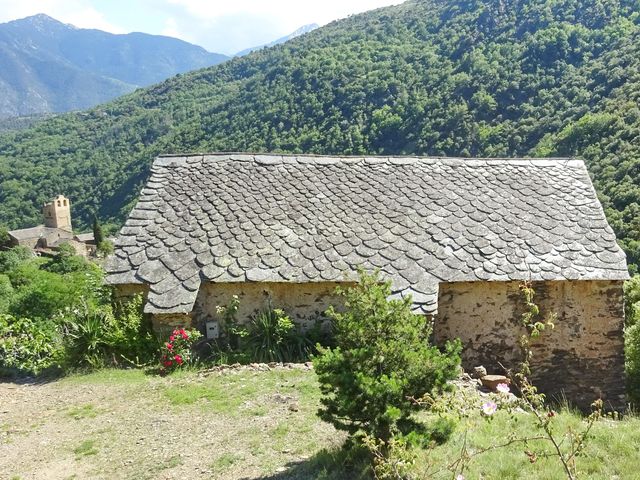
column 434, row 77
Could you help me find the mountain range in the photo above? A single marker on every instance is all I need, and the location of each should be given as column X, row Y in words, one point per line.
column 48, row 66
column 492, row 78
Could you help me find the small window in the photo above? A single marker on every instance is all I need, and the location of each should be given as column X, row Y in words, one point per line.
column 64, row 202
column 59, row 204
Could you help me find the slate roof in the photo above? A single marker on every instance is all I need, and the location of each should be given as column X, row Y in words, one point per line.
column 37, row 232
column 85, row 237
column 421, row 221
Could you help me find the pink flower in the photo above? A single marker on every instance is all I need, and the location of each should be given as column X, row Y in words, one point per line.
column 502, row 388
column 178, row 359
column 169, row 346
column 168, row 363
column 489, row 408
column 172, row 338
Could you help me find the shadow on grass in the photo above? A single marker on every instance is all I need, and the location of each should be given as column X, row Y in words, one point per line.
column 346, row 463
column 18, row 377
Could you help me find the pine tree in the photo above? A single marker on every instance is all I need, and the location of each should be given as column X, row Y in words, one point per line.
column 382, row 359
column 98, row 235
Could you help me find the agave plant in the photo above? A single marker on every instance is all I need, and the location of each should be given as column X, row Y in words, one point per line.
column 274, row 337
column 87, row 338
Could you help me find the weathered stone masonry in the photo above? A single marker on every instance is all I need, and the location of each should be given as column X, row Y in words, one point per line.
column 304, row 302
column 582, row 358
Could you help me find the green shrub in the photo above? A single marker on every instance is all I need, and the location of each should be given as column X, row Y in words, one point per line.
column 28, row 347
column 106, row 335
column 273, row 337
column 632, row 338
column 42, row 294
column 44, row 287
column 12, row 258
column 66, row 294
column 4, row 236
column 441, row 429
column 83, row 336
column 632, row 362
column 87, row 338
column 230, row 331
column 632, row 301
column 383, row 358
column 270, row 336
column 6, row 293
column 132, row 335
column 104, row 248
column 66, row 261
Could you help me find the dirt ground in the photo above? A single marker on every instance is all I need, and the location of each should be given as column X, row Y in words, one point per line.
column 127, row 425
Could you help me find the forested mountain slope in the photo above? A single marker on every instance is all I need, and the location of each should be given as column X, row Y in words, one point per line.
column 436, row 77
column 48, row 66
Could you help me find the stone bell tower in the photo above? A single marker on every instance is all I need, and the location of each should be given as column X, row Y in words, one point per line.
column 57, row 213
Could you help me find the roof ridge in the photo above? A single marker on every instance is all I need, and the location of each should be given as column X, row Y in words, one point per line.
column 168, row 160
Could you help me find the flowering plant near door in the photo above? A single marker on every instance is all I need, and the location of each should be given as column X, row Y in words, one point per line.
column 177, row 350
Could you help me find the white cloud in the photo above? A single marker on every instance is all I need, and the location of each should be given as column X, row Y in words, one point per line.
column 171, row 29
column 76, row 12
column 290, row 12
column 230, row 26
column 90, row 18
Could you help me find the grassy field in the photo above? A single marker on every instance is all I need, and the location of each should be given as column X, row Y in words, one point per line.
column 247, row 425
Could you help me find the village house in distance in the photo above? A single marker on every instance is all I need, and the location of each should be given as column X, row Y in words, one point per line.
column 55, row 231
column 458, row 235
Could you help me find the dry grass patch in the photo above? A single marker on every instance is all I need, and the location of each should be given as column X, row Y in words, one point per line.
column 125, row 424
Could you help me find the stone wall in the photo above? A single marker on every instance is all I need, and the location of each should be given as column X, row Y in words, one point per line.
column 582, row 358
column 30, row 243
column 304, row 302
column 163, row 325
column 130, row 290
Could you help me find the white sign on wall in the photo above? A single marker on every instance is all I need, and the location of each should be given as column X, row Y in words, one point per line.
column 213, row 329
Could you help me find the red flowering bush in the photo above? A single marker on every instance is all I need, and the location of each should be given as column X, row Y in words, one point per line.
column 177, row 351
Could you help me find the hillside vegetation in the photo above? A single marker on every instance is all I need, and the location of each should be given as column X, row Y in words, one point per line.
column 433, row 77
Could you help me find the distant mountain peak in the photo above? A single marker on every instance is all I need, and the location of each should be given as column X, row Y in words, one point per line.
column 300, row 31
column 42, row 19
column 39, row 17
column 304, row 29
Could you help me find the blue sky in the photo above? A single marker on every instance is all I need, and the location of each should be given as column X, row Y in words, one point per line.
column 224, row 26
